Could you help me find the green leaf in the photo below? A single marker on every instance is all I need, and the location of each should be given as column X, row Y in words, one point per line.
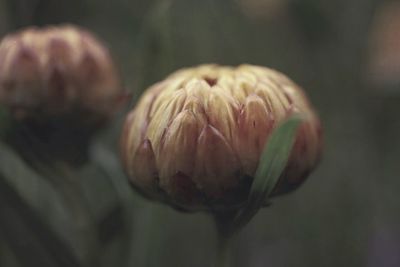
column 30, row 238
column 49, row 198
column 272, row 163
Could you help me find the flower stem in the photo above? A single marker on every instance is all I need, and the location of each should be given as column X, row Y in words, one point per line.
column 223, row 222
column 223, row 256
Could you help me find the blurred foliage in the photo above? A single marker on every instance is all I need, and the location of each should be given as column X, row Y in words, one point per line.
column 346, row 214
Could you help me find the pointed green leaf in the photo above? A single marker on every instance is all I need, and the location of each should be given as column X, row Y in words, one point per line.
column 272, row 163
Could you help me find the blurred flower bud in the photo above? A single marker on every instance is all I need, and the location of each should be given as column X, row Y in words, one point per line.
column 263, row 9
column 383, row 70
column 57, row 72
column 194, row 140
column 59, row 86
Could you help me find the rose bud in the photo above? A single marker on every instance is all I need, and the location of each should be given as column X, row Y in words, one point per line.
column 194, row 140
column 60, row 83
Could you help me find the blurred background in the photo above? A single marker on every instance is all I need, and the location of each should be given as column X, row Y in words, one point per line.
column 346, row 56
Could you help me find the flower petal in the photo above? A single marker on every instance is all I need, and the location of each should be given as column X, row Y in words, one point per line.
column 142, row 168
column 221, row 111
column 254, row 126
column 162, row 115
column 180, row 141
column 216, row 165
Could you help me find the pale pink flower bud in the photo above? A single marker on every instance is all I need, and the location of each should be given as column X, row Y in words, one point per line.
column 194, row 140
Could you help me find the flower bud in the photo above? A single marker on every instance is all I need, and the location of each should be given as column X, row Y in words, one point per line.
column 57, row 72
column 195, row 139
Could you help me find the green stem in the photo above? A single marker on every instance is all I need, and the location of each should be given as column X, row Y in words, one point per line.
column 223, row 256
column 223, row 222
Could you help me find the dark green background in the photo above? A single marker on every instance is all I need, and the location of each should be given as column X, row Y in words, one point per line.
column 346, row 214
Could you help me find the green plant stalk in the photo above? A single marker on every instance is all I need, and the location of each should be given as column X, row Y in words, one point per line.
column 223, row 253
column 223, row 223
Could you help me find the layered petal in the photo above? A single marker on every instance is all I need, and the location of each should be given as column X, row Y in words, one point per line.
column 22, row 82
column 221, row 111
column 161, row 115
column 142, row 168
column 216, row 165
column 254, row 126
column 181, row 141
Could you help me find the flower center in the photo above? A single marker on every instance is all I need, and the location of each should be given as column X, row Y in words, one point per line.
column 211, row 81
